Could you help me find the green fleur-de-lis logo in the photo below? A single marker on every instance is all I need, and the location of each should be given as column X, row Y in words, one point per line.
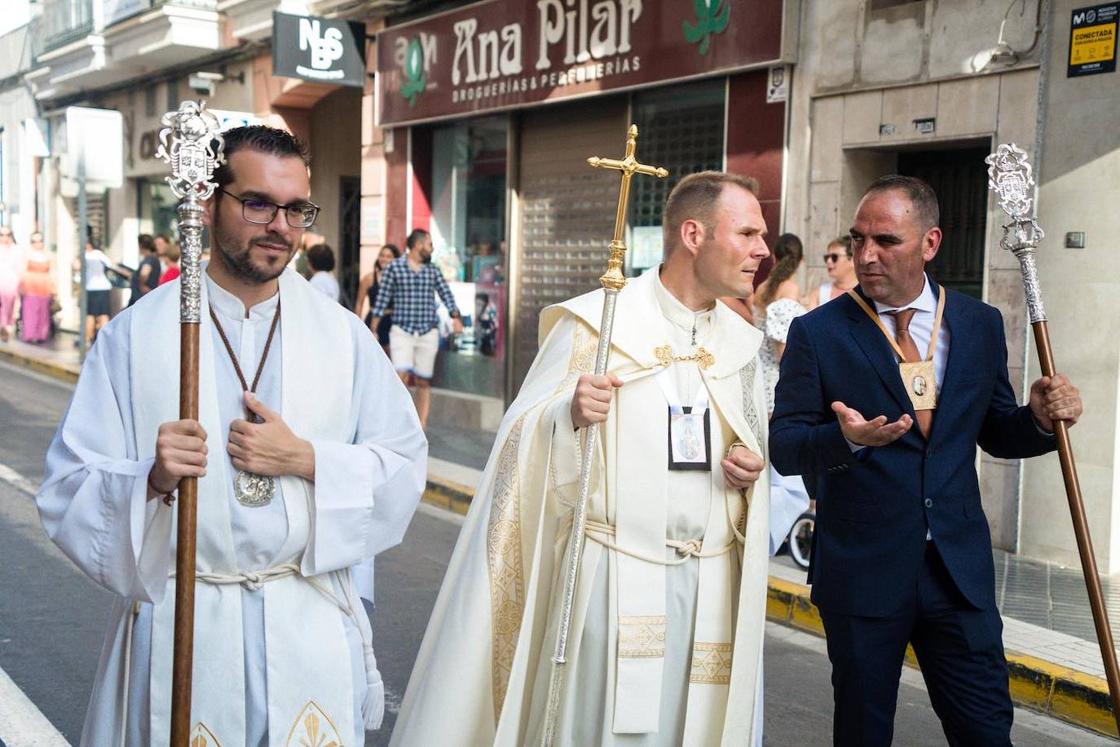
column 415, row 80
column 712, row 17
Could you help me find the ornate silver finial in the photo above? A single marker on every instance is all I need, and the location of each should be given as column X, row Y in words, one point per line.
column 191, row 143
column 1009, row 175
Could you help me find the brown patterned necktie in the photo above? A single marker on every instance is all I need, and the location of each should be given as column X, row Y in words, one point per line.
column 906, row 344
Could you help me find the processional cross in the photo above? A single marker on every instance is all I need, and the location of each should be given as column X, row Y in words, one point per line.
column 613, row 281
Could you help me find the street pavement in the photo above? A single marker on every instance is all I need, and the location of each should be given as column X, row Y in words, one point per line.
column 52, row 618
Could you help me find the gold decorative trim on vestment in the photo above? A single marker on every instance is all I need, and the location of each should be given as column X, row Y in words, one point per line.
column 665, row 357
column 203, row 737
column 313, row 728
column 503, row 550
column 750, row 412
column 711, row 663
column 582, row 360
column 641, row 636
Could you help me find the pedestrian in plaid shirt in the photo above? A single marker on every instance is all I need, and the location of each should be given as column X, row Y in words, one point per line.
column 409, row 286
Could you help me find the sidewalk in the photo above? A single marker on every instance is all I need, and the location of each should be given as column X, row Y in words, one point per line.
column 1048, row 630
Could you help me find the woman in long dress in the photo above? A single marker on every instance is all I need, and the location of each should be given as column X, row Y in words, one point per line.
column 11, row 268
column 36, row 290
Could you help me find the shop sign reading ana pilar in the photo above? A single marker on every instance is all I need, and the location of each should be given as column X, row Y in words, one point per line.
column 500, row 54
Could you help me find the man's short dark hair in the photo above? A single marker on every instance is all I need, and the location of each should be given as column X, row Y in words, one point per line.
column 146, row 242
column 321, row 258
column 921, row 195
column 695, row 197
column 263, row 139
column 414, row 238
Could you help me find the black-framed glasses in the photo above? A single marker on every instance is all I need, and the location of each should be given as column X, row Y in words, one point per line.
column 835, row 257
column 262, row 212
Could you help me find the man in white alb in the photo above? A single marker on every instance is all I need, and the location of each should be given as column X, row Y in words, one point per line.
column 666, row 644
column 310, row 460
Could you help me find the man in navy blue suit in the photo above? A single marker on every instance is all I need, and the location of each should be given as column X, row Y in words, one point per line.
column 883, row 398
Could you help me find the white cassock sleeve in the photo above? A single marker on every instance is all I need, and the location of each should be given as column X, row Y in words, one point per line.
column 366, row 491
column 93, row 501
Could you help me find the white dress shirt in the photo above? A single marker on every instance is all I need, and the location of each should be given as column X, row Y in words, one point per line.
column 921, row 327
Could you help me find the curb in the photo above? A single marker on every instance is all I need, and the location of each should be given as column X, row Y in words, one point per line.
column 1075, row 697
column 1057, row 691
column 55, row 370
column 1062, row 693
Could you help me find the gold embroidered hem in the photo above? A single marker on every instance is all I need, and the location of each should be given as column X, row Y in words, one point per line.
column 711, row 663
column 313, row 728
column 203, row 737
column 503, row 549
column 641, row 636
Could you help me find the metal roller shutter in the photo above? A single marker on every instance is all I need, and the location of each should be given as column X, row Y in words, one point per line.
column 567, row 210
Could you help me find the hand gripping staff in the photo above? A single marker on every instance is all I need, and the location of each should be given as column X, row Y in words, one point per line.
column 1009, row 175
column 191, row 143
column 613, row 281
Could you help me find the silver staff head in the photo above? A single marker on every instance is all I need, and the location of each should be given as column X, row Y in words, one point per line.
column 1009, row 176
column 191, row 143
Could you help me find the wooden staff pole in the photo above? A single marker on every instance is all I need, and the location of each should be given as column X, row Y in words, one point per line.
column 181, row 668
column 191, row 144
column 1009, row 174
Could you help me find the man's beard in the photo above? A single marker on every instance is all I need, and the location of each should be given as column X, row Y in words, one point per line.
column 239, row 262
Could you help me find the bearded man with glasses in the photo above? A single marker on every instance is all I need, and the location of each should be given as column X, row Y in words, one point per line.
column 302, row 424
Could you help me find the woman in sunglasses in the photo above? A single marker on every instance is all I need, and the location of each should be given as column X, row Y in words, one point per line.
column 841, row 271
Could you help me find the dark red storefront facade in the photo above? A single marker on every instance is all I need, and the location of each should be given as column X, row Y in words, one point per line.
column 493, row 108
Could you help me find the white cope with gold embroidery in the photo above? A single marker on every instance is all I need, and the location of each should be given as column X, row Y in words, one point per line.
column 637, row 625
column 275, row 658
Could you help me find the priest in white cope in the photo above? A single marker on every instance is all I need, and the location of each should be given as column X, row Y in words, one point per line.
column 668, row 622
column 316, row 471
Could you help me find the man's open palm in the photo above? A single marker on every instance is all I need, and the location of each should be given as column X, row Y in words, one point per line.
column 874, row 432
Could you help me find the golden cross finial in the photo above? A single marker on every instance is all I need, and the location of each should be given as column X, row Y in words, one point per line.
column 628, row 166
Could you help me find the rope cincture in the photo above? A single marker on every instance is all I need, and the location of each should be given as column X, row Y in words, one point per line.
column 686, row 549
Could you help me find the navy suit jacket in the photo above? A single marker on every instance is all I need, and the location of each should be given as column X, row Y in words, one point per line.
column 874, row 506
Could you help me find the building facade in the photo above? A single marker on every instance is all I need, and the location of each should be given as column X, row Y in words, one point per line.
column 930, row 89
column 474, row 121
column 489, row 112
column 142, row 58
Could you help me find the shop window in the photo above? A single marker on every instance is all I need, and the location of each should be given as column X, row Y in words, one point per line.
column 681, row 129
column 468, row 224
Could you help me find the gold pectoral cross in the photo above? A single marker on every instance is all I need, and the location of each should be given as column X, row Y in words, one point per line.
column 614, row 279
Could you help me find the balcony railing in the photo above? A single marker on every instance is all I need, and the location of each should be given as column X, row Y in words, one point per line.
column 64, row 21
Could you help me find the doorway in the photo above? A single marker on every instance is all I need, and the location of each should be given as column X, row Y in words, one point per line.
column 960, row 180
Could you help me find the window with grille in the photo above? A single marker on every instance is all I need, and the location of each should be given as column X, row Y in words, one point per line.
column 960, row 180
column 680, row 129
